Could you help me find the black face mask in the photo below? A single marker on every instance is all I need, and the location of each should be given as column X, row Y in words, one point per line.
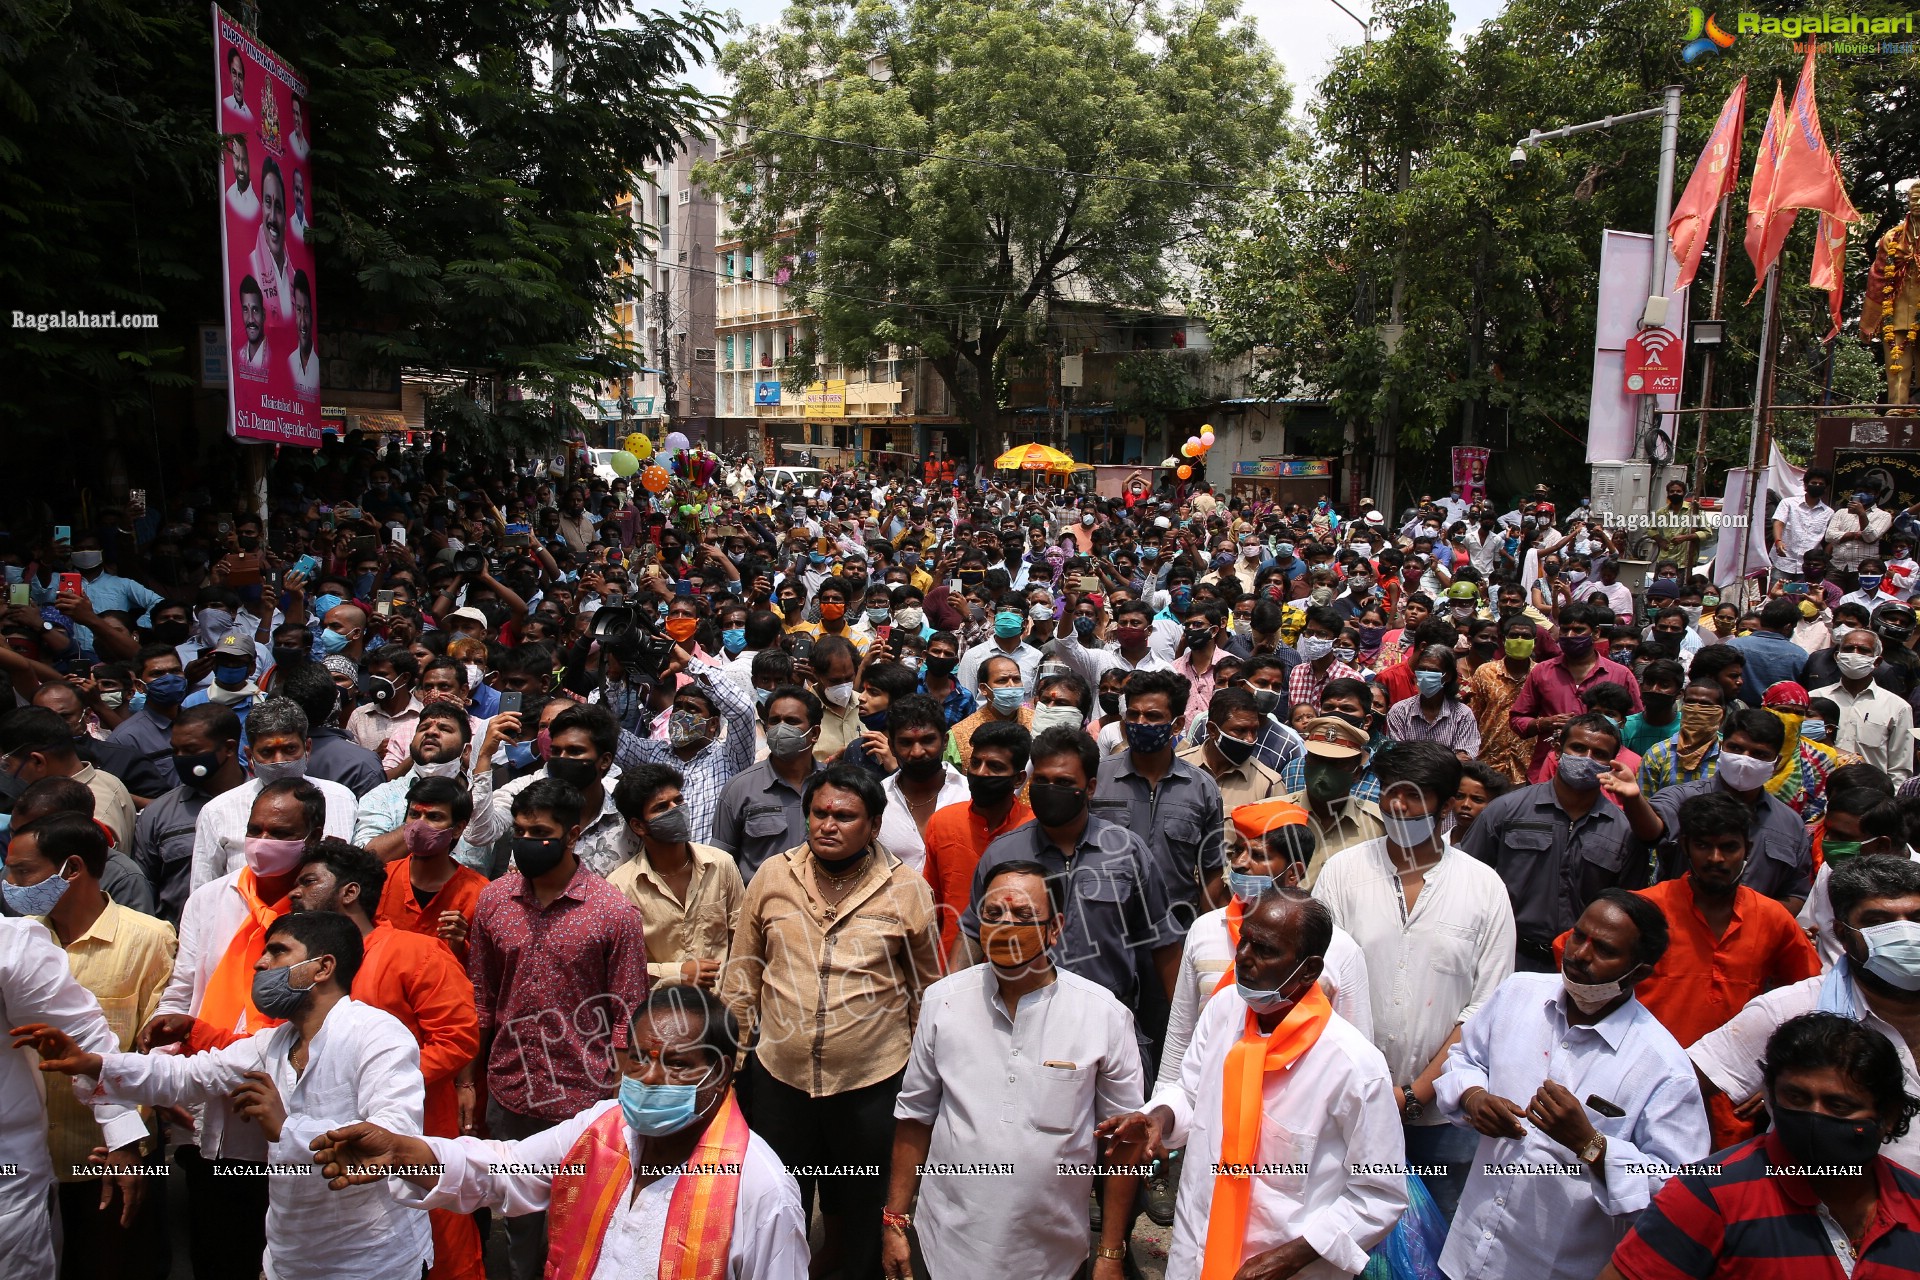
column 1659, row 706
column 921, row 770
column 991, row 789
column 1055, row 805
column 578, row 774
column 287, row 653
column 537, row 857
column 171, row 632
column 942, row 668
column 197, row 770
column 1815, row 1139
column 1110, row 704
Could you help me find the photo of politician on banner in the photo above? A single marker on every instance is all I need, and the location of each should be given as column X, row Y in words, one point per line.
column 265, row 224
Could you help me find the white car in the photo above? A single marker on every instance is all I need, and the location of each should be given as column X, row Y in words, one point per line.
column 780, row 479
column 602, row 460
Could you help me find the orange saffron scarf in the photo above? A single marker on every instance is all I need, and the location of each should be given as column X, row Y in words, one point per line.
column 1234, row 912
column 229, row 995
column 1248, row 1063
column 699, row 1235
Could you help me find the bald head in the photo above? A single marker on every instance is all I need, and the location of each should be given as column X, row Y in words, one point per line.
column 63, row 702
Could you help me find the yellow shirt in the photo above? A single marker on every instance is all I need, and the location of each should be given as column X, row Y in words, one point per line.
column 125, row 959
column 700, row 928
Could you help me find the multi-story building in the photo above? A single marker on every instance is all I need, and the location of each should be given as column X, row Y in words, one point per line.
column 667, row 316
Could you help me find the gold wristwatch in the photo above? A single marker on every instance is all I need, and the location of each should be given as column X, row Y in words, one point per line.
column 1595, row 1148
column 1118, row 1254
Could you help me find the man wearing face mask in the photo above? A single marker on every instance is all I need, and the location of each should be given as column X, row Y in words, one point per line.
column 759, row 814
column 234, row 656
column 1874, row 724
column 393, row 675
column 1010, row 624
column 427, row 892
column 344, row 631
column 107, row 591
column 421, row 984
column 1693, row 752
column 1227, row 752
column 1271, row 1062
column 1002, row 701
column 290, row 1082
column 549, row 937
column 693, row 745
column 958, row 833
column 1530, row 1070
column 1200, row 650
column 1331, row 775
column 669, row 1167
column 1876, row 983
column 687, row 893
column 1070, row 1048
column 1268, row 847
column 439, row 750
column 206, row 753
column 35, row 744
column 923, row 782
column 160, row 686
column 1558, row 844
column 1838, row 1099
column 222, row 939
column 1780, row 865
column 277, row 731
column 581, row 742
column 1437, row 932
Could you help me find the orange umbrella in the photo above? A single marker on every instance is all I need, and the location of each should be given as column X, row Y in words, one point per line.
column 1032, row 457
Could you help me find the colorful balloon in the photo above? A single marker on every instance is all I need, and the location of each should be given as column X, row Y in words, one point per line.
column 1187, row 450
column 675, row 440
column 1185, row 472
column 640, row 446
column 655, row 479
column 623, row 463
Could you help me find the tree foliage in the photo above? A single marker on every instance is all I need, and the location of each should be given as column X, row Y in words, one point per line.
column 467, row 159
column 934, row 172
column 1498, row 270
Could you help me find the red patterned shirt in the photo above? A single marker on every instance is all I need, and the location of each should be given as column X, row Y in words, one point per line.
column 555, row 985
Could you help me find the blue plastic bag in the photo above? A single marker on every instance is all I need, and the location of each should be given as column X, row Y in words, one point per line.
column 1411, row 1250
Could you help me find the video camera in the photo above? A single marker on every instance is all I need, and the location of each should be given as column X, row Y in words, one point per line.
column 633, row 637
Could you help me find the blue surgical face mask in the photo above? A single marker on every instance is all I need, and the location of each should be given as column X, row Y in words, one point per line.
column 1008, row 624
column 520, row 754
column 166, row 690
column 229, row 676
column 1007, row 701
column 1893, row 952
column 655, row 1110
column 1249, row 888
column 331, row 641
column 1267, row 1001
column 1430, row 682
column 327, row 603
column 1815, row 730
column 734, row 639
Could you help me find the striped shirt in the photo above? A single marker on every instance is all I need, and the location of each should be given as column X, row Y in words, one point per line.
column 1741, row 1221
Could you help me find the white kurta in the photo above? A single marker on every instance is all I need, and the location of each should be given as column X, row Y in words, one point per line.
column 1333, row 1111
column 1024, row 1093
column 363, row 1065
column 1209, row 953
column 37, row 986
column 769, row 1230
column 220, row 832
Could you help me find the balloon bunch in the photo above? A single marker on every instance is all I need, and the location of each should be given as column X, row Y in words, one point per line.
column 1196, row 448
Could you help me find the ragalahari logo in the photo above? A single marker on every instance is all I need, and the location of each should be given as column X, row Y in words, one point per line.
column 1704, row 36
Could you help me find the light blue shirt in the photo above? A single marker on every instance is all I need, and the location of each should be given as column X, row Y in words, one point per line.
column 110, row 591
column 384, row 809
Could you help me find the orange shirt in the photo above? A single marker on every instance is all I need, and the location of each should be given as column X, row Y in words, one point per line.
column 418, row 981
column 399, row 908
column 1702, row 981
column 956, row 836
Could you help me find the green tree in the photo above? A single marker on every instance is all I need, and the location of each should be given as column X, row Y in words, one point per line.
column 1408, row 184
column 935, row 172
column 467, row 162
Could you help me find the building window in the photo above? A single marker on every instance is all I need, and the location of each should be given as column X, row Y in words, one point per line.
column 746, row 266
column 726, row 352
column 726, row 265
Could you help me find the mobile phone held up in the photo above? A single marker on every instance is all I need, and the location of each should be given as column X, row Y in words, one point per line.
column 72, row 584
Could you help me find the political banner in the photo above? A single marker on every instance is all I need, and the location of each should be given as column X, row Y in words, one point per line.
column 273, row 383
column 1470, row 471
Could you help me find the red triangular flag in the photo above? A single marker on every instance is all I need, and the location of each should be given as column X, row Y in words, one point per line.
column 1767, row 228
column 1807, row 177
column 1714, row 175
column 1830, row 267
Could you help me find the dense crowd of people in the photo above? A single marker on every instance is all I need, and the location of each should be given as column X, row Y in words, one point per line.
column 930, row 876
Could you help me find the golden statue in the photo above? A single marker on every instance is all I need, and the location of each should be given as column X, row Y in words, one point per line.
column 1891, row 309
